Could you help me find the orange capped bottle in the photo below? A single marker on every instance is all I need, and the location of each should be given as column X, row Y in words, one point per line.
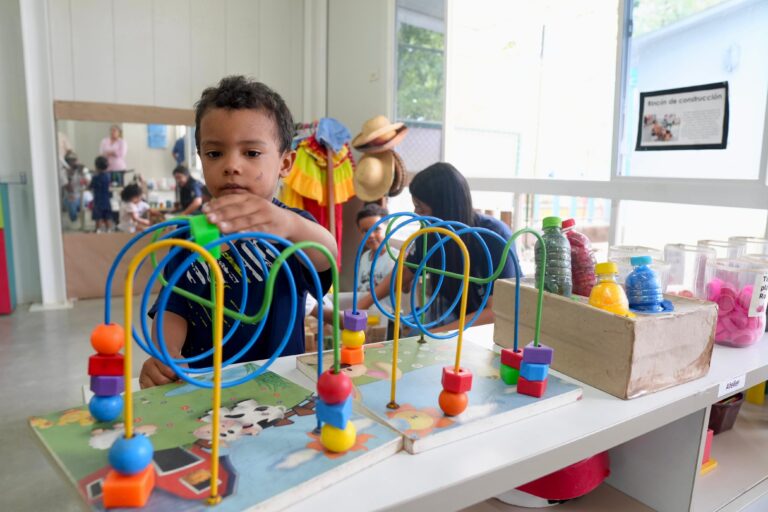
column 607, row 294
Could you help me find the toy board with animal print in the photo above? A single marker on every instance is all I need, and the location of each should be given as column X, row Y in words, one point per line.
column 423, row 425
column 270, row 456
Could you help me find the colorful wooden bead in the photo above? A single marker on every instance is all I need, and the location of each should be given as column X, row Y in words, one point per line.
column 452, row 404
column 456, row 382
column 105, row 408
column 105, row 365
column 540, row 355
column 107, row 385
column 334, row 388
column 534, row 371
column 531, row 388
column 352, row 339
column 352, row 356
column 355, row 321
column 108, row 339
column 128, row 491
column 336, row 439
column 511, row 358
column 334, row 414
column 131, row 455
column 508, row 374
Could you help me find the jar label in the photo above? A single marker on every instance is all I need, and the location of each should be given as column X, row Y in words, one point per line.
column 759, row 295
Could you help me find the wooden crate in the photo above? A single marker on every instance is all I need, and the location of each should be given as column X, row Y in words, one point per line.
column 621, row 356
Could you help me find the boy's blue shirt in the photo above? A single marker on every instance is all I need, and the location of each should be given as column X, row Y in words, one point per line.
column 100, row 186
column 199, row 323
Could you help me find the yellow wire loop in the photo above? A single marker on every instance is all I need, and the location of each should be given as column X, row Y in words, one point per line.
column 398, row 300
column 218, row 329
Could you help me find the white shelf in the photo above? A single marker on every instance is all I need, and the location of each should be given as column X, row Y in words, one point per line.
column 742, row 457
column 603, row 499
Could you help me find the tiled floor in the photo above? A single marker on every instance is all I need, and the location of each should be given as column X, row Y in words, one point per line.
column 43, row 364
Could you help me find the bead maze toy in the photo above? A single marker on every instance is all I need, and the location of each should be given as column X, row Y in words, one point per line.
column 415, row 365
column 134, row 464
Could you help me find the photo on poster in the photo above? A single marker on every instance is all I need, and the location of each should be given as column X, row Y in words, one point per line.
column 686, row 118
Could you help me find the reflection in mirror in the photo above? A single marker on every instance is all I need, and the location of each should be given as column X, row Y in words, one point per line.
column 110, row 171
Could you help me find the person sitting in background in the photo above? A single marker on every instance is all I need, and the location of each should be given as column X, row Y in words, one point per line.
column 102, row 209
column 190, row 191
column 77, row 179
column 132, row 210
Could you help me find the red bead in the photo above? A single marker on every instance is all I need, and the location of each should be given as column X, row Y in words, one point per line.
column 108, row 339
column 531, row 388
column 456, row 382
column 511, row 358
column 105, row 365
column 334, row 388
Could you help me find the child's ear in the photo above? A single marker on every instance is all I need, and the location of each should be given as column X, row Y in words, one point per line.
column 286, row 163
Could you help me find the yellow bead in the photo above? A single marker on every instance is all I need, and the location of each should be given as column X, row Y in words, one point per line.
column 352, row 339
column 337, row 440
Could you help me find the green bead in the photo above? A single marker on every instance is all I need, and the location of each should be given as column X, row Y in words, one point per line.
column 508, row 374
column 203, row 233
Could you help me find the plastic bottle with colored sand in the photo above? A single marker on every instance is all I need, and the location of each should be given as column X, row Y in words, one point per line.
column 582, row 259
column 644, row 288
column 557, row 277
column 607, row 294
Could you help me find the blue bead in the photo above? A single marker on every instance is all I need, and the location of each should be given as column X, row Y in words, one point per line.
column 534, row 372
column 106, row 408
column 131, row 456
column 334, row 414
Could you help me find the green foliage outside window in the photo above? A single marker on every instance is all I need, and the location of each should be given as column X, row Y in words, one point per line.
column 650, row 15
column 420, row 74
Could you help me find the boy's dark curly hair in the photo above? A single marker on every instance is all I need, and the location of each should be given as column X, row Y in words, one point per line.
column 371, row 210
column 238, row 92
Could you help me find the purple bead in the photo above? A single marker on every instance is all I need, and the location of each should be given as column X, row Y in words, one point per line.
column 355, row 321
column 107, row 385
column 538, row 355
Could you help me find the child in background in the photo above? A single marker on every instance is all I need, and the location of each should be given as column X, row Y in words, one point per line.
column 102, row 209
column 132, row 210
column 243, row 133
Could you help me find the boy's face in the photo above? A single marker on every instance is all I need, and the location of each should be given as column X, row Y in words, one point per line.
column 241, row 153
column 374, row 241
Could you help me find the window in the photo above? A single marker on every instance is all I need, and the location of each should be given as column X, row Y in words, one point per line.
column 694, row 42
column 530, row 88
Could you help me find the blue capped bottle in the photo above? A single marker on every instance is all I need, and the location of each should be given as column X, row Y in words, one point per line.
column 643, row 286
column 557, row 278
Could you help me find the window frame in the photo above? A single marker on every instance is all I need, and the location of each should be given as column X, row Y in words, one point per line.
column 714, row 192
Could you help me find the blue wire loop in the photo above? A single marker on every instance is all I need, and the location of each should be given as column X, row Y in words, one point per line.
column 398, row 221
column 254, row 242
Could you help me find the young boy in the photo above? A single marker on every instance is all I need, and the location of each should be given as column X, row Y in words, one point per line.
column 243, row 136
column 102, row 208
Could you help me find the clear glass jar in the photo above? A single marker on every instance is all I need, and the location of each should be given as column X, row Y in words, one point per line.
column 557, row 277
column 740, row 289
column 687, row 268
column 622, row 254
column 724, row 249
column 751, row 245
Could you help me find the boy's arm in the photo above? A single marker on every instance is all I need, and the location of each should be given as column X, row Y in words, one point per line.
column 155, row 373
column 249, row 212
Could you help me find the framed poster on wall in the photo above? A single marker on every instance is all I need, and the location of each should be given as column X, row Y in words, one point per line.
column 686, row 118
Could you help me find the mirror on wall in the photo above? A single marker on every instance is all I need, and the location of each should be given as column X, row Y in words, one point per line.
column 98, row 159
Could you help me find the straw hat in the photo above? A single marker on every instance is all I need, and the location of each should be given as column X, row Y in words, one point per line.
column 398, row 183
column 374, row 176
column 379, row 135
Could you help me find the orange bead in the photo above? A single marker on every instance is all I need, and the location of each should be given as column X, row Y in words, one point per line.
column 453, row 404
column 128, row 490
column 108, row 339
column 352, row 356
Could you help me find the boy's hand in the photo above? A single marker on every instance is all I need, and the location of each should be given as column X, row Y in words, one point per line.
column 155, row 373
column 248, row 212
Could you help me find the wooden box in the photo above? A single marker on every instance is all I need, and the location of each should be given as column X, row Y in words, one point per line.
column 621, row 356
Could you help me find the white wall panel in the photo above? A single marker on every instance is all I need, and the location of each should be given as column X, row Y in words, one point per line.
column 134, row 69
column 172, row 54
column 281, row 47
column 93, row 50
column 60, row 28
column 243, row 37
column 208, row 43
